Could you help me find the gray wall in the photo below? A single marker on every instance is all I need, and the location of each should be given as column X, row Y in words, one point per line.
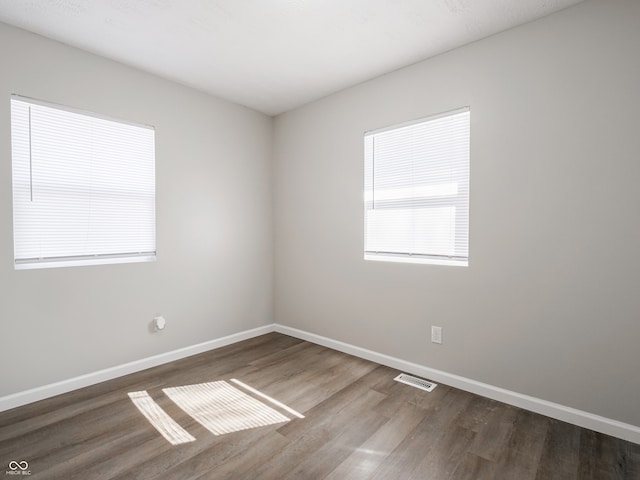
column 214, row 272
column 548, row 307
column 550, row 303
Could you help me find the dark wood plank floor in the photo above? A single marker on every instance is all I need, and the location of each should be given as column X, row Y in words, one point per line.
column 359, row 424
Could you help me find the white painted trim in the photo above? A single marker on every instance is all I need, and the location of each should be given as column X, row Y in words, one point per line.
column 64, row 386
column 583, row 419
column 574, row 416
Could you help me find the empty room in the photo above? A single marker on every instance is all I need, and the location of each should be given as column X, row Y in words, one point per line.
column 304, row 239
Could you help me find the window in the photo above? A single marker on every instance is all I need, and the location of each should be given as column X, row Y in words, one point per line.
column 83, row 187
column 417, row 191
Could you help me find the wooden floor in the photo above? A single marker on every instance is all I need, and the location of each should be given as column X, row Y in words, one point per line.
column 359, row 424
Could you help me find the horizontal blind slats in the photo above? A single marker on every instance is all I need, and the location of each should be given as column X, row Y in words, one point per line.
column 417, row 188
column 83, row 186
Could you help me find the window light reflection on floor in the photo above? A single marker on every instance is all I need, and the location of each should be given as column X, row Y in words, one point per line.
column 268, row 398
column 160, row 420
column 218, row 406
column 222, row 408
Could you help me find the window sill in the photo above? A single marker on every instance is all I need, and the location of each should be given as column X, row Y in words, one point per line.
column 84, row 262
column 415, row 259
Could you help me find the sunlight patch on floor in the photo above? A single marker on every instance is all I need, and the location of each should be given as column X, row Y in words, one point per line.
column 268, row 398
column 222, row 408
column 160, row 420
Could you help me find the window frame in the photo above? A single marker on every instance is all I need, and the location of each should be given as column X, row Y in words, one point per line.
column 146, row 143
column 457, row 201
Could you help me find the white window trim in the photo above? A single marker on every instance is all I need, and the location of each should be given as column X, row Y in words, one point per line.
column 413, row 257
column 24, row 263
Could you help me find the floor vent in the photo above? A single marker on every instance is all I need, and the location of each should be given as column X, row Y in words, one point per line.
column 416, row 382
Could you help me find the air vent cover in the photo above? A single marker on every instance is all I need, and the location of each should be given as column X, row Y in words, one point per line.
column 416, row 382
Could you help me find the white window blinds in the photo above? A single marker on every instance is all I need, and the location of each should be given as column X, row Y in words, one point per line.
column 83, row 187
column 417, row 191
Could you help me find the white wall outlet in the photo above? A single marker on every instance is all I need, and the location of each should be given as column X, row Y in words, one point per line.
column 436, row 334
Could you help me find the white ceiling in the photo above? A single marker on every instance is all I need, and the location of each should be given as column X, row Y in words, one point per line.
column 271, row 55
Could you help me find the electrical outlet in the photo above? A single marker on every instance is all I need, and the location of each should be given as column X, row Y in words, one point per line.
column 436, row 334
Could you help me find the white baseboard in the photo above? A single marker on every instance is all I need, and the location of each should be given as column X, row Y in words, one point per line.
column 574, row 416
column 583, row 419
column 64, row 386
